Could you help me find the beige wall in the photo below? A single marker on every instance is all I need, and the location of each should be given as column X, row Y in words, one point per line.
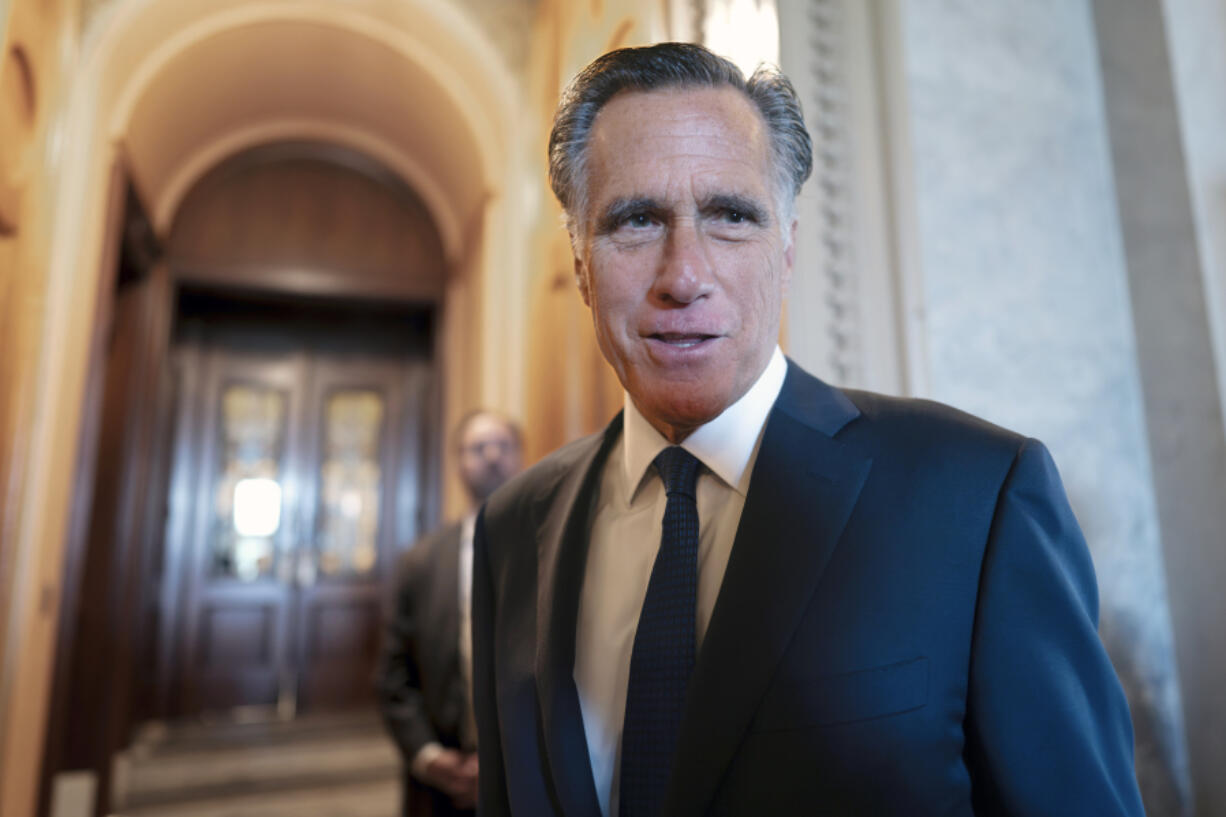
column 38, row 54
column 569, row 390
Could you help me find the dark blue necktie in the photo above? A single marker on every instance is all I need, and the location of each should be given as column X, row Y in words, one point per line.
column 664, row 645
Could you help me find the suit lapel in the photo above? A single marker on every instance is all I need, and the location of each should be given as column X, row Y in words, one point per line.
column 803, row 489
column 561, row 559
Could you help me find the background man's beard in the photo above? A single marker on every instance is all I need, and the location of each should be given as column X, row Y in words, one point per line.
column 485, row 484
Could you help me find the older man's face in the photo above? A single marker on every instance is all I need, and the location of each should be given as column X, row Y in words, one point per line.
column 683, row 259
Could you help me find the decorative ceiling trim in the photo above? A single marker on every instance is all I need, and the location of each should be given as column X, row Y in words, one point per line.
column 416, row 174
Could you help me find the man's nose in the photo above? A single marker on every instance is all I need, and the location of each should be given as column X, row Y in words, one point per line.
column 686, row 272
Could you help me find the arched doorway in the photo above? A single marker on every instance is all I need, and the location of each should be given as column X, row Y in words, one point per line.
column 255, row 486
column 168, row 91
column 303, row 362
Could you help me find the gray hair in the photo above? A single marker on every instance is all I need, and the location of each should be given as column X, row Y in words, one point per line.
column 671, row 65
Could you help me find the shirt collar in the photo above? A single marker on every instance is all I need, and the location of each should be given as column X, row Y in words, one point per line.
column 724, row 445
column 467, row 527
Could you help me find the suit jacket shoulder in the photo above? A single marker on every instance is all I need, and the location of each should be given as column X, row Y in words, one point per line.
column 928, row 439
column 918, row 415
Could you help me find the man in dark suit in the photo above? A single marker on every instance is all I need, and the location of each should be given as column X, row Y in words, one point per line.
column 754, row 593
column 423, row 681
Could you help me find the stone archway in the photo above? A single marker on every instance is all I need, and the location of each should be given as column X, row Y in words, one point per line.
column 167, row 89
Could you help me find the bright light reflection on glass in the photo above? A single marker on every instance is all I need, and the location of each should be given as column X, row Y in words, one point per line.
column 257, row 506
column 351, row 504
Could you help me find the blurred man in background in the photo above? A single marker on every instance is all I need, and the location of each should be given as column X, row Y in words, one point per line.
column 424, row 679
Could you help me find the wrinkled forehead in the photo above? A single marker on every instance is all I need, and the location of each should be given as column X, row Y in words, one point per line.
column 678, row 111
column 638, row 132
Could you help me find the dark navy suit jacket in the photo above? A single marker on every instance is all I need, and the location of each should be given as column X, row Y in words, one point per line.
column 907, row 626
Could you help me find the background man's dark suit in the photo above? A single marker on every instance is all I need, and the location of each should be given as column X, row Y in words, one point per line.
column 906, row 627
column 421, row 687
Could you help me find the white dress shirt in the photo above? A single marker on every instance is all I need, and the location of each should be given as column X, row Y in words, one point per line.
column 625, row 536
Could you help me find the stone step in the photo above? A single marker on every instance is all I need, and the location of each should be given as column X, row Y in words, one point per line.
column 371, row 799
column 194, row 762
column 228, row 733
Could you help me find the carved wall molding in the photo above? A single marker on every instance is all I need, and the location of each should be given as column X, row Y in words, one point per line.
column 856, row 309
column 20, row 103
column 829, row 125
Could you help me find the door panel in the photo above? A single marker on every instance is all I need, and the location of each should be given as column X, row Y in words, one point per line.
column 238, row 618
column 238, row 654
column 308, row 473
column 340, row 637
column 343, row 564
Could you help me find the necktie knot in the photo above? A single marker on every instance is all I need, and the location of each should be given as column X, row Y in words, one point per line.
column 679, row 470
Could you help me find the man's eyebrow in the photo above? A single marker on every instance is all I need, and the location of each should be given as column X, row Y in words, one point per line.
column 746, row 206
column 620, row 209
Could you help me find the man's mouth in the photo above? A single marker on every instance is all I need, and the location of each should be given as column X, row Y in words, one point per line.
column 681, row 340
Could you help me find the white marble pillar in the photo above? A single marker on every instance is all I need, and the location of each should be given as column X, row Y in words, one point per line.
column 1175, row 352
column 1196, row 33
column 1026, row 289
column 962, row 239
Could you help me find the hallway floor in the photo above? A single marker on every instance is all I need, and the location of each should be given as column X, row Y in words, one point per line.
column 315, row 766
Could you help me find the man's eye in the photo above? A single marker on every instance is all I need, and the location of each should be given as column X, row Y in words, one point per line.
column 639, row 220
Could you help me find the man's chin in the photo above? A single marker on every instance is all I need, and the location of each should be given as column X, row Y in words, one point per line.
column 481, row 491
column 676, row 418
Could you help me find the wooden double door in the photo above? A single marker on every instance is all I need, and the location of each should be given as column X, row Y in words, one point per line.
column 302, row 469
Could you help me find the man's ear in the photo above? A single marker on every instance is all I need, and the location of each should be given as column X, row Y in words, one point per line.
column 581, row 280
column 789, row 257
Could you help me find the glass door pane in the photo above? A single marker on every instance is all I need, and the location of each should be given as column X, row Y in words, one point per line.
column 247, row 496
column 350, row 483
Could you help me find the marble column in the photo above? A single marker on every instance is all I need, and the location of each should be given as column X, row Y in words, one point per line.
column 1196, row 33
column 1029, row 309
column 1178, row 374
